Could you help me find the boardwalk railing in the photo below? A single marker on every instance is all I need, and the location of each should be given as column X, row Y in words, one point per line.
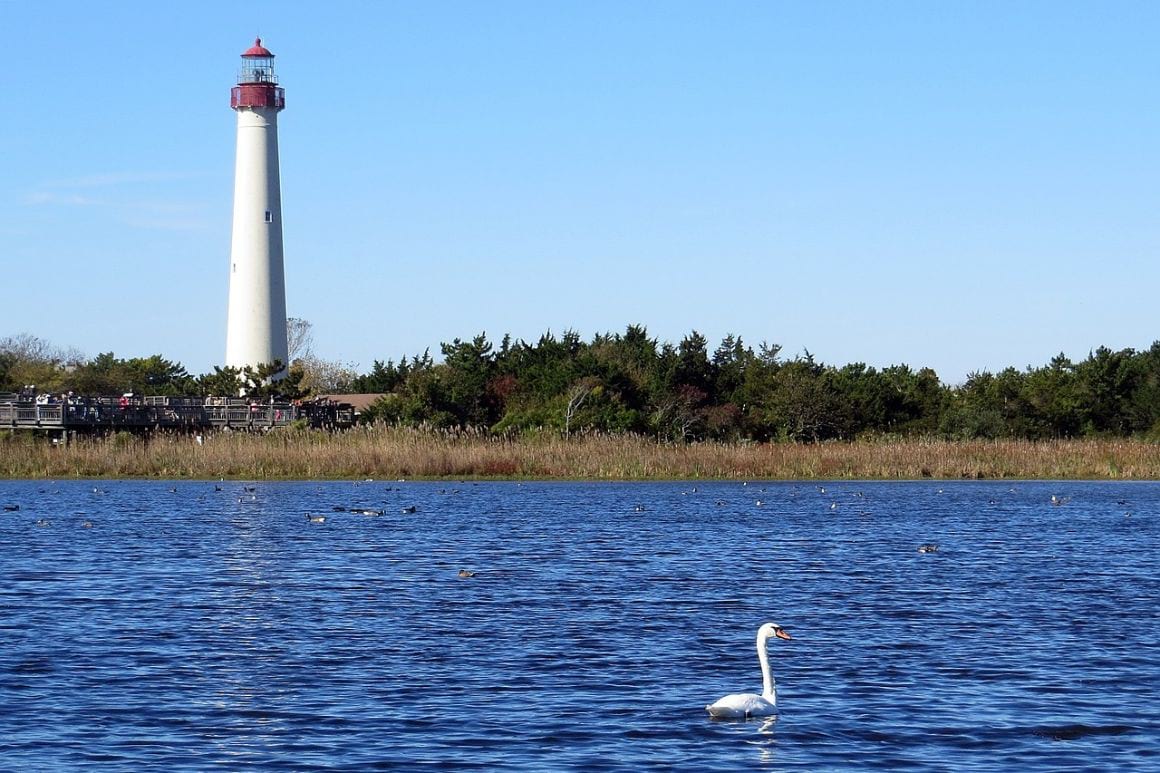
column 70, row 413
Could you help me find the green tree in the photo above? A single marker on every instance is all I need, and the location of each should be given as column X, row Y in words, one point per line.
column 468, row 367
column 805, row 406
column 693, row 367
column 158, row 376
column 1105, row 383
column 973, row 412
column 730, row 361
column 1142, row 406
column 222, row 382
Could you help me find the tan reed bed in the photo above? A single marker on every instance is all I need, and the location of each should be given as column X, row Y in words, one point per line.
column 388, row 452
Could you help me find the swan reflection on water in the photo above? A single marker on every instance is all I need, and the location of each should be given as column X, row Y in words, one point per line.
column 766, row 741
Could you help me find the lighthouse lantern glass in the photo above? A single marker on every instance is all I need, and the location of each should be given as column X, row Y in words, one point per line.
column 257, row 69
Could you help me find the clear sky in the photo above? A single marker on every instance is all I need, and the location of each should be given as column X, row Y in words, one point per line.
column 960, row 185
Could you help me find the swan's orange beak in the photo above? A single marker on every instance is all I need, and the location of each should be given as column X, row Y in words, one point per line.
column 781, row 633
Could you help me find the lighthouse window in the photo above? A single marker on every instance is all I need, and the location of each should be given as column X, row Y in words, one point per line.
column 269, row 216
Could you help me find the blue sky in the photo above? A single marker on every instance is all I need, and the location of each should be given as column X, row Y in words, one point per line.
column 960, row 185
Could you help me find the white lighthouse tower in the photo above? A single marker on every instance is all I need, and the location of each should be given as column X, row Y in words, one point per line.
column 256, row 326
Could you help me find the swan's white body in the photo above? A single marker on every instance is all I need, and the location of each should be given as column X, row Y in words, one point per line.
column 746, row 704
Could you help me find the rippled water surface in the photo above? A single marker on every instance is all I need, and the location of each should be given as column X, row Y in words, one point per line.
column 193, row 625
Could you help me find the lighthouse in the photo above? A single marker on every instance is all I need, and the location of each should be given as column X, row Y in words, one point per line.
column 256, row 325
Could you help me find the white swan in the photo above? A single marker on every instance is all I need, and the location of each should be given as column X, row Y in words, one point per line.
column 746, row 704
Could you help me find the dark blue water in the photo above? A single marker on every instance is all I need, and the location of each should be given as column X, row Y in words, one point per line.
column 191, row 628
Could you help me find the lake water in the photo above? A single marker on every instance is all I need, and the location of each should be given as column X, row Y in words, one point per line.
column 188, row 628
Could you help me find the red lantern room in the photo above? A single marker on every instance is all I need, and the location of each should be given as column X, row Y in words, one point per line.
column 257, row 83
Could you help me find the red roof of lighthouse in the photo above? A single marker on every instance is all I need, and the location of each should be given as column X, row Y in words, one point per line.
column 257, row 50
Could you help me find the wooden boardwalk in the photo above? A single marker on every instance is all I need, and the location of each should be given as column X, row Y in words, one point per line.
column 71, row 414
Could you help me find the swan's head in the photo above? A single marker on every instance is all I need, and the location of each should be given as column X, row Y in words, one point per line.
column 772, row 629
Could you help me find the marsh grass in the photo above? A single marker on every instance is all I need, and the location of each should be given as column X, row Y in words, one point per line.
column 391, row 453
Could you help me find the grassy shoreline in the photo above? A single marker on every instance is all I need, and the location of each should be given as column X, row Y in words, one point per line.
column 391, row 453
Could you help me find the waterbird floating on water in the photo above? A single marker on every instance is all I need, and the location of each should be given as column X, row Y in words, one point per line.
column 11, row 508
column 409, row 509
column 929, row 547
column 316, row 518
column 746, row 704
column 466, row 573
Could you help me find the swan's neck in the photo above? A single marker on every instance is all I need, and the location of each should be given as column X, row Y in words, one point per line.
column 768, row 687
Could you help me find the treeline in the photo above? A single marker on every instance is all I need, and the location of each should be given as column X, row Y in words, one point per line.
column 632, row 383
column 26, row 360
